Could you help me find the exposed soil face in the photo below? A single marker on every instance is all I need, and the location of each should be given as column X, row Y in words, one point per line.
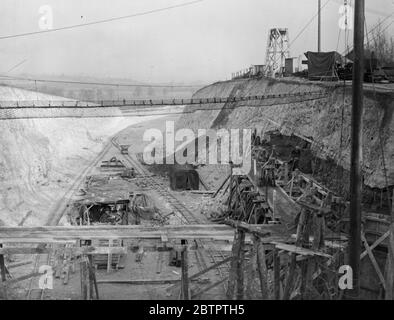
column 40, row 158
column 326, row 121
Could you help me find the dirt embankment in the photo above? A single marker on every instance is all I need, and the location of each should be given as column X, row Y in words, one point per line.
column 40, row 158
column 324, row 120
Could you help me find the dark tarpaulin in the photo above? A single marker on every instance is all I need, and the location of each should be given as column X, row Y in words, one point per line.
column 322, row 64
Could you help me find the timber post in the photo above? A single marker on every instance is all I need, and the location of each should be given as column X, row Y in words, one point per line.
column 185, row 271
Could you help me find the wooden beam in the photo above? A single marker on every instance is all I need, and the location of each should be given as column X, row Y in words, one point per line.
column 373, row 260
column 240, row 268
column 21, row 278
column 88, row 250
column 251, row 268
column 262, row 268
column 300, row 250
column 2, row 266
column 375, row 244
column 84, row 282
column 213, row 285
column 49, row 234
column 389, row 294
column 18, row 264
column 142, row 282
column 184, row 273
column 239, row 237
column 276, row 274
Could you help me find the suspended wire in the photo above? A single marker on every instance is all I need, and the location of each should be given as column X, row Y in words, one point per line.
column 100, row 21
column 308, row 24
column 146, row 112
column 11, row 78
column 371, row 30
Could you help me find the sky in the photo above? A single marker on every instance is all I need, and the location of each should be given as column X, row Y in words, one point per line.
column 199, row 43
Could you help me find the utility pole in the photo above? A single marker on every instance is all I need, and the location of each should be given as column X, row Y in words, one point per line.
column 356, row 148
column 319, row 27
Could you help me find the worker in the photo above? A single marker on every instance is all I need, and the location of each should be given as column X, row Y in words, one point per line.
column 274, row 154
column 254, row 134
column 262, row 156
column 295, row 158
column 257, row 141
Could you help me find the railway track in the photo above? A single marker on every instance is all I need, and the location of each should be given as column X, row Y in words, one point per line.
column 57, row 213
column 38, row 293
column 182, row 211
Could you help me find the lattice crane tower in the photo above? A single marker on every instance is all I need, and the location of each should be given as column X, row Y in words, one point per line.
column 277, row 51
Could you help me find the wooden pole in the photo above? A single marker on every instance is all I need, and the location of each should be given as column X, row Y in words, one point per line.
column 91, row 280
column 239, row 239
column 240, row 268
column 3, row 274
column 319, row 26
column 354, row 249
column 276, row 275
column 184, row 276
column 261, row 267
column 84, row 286
column 251, row 268
column 2, row 266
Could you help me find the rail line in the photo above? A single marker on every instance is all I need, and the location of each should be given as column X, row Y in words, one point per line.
column 183, row 211
column 57, row 213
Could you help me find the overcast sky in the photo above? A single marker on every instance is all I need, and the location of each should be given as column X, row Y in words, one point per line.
column 201, row 43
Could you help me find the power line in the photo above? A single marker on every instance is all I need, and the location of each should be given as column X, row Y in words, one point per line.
column 371, row 30
column 308, row 24
column 100, row 21
column 17, row 65
column 10, row 78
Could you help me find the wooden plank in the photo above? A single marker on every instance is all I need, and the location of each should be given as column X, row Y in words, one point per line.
column 2, row 266
column 300, row 250
column 251, row 267
column 159, row 262
column 376, row 243
column 221, row 186
column 18, row 264
column 48, row 234
column 184, row 274
column 139, row 281
column 235, row 254
column 276, row 274
column 109, row 260
column 262, row 268
column 88, row 250
column 21, row 278
column 373, row 260
column 206, row 289
column 84, row 283
column 240, row 268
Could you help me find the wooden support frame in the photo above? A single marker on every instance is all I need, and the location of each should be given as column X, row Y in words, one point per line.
column 236, row 273
column 84, row 275
column 389, row 281
column 184, row 274
column 261, row 267
column 373, row 260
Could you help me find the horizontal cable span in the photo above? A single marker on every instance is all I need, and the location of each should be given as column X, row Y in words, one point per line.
column 52, row 104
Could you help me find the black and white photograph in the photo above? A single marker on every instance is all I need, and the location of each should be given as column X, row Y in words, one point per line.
column 196, row 156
